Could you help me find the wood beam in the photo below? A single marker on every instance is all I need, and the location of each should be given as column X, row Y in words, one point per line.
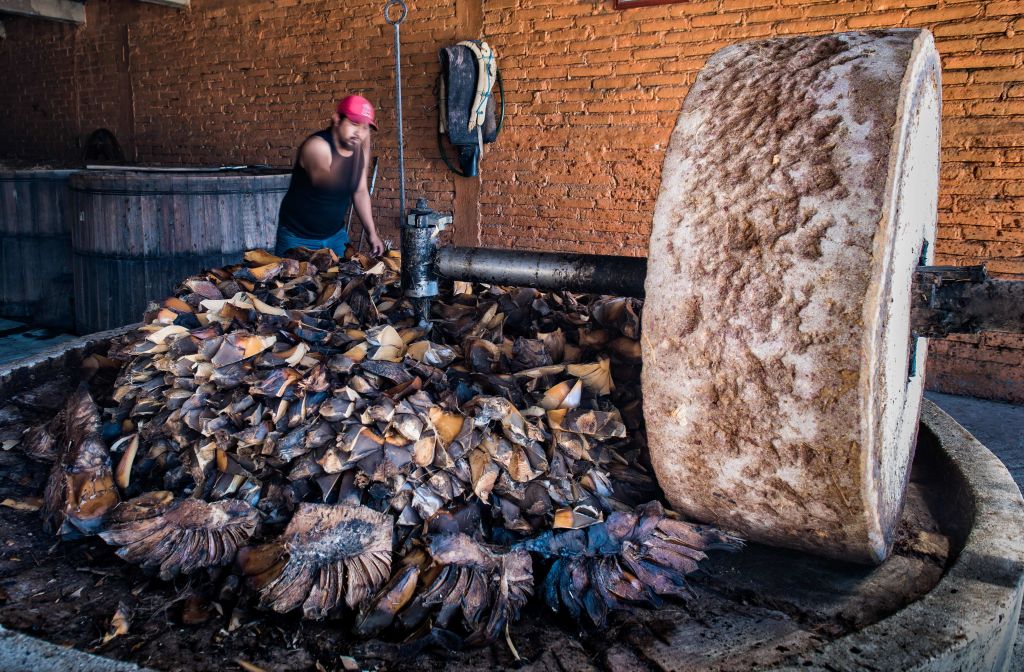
column 467, row 228
column 54, row 10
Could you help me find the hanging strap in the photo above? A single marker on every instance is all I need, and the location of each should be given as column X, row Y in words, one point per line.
column 487, row 71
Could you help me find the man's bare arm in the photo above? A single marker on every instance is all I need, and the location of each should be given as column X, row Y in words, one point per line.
column 315, row 157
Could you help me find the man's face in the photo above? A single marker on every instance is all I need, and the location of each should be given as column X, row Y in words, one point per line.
column 352, row 135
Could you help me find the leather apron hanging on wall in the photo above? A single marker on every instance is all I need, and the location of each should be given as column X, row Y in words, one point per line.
column 469, row 71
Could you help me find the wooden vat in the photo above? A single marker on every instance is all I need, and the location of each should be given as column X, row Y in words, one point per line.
column 35, row 246
column 136, row 234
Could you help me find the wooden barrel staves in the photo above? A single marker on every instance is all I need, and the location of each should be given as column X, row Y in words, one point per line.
column 35, row 246
column 136, row 234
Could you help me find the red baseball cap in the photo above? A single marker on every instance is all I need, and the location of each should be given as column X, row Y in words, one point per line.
column 358, row 109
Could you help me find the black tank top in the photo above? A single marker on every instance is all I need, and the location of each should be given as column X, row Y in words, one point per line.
column 309, row 211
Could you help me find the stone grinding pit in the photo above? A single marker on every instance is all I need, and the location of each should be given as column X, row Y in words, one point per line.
column 758, row 606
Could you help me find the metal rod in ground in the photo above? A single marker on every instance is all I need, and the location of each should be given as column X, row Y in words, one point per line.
column 398, row 97
column 352, row 207
column 589, row 273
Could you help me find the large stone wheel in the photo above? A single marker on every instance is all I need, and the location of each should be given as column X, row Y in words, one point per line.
column 781, row 383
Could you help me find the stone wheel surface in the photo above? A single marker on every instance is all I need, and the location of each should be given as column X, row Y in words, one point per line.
column 781, row 384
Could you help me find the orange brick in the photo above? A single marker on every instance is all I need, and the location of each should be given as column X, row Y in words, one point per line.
column 884, row 20
column 745, row 32
column 720, row 19
column 645, row 40
column 1005, row 41
column 771, row 15
column 693, row 8
column 972, row 92
column 1001, row 109
column 945, row 14
column 1014, row 266
column 1012, row 8
column 836, row 8
column 663, row 25
column 731, row 5
column 611, row 56
column 979, row 62
column 999, row 75
column 661, row 52
column 615, row 82
column 636, row 67
column 971, row 28
column 1003, row 340
column 805, row 26
column 951, row 46
column 553, row 24
column 695, row 35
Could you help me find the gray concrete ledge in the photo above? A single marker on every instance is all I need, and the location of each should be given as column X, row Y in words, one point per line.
column 27, row 371
column 969, row 620
column 21, row 653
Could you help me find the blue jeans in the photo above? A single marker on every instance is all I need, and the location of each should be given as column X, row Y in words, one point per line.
column 286, row 240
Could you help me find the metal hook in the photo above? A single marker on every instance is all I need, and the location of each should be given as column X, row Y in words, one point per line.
column 387, row 11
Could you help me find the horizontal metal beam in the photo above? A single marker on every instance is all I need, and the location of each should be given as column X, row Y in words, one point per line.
column 588, row 273
column 945, row 299
column 54, row 10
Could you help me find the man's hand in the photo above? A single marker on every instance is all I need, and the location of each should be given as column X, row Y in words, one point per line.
column 376, row 245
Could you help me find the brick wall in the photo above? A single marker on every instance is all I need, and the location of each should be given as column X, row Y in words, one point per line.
column 592, row 98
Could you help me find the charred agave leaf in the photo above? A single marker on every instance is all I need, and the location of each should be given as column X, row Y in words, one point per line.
column 621, row 313
column 327, row 554
column 180, row 536
column 80, row 491
column 627, row 561
column 40, row 442
column 486, row 585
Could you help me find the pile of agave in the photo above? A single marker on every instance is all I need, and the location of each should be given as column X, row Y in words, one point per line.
column 289, row 420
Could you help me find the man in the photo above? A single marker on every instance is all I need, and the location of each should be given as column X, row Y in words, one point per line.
column 328, row 176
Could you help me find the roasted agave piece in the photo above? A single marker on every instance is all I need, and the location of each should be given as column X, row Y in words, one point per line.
column 327, row 554
column 484, row 585
column 631, row 559
column 80, row 491
column 380, row 612
column 180, row 536
column 41, row 441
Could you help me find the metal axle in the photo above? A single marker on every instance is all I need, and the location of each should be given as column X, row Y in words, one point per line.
column 586, row 273
column 944, row 299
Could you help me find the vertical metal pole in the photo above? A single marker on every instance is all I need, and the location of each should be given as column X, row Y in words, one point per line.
column 348, row 225
column 398, row 97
